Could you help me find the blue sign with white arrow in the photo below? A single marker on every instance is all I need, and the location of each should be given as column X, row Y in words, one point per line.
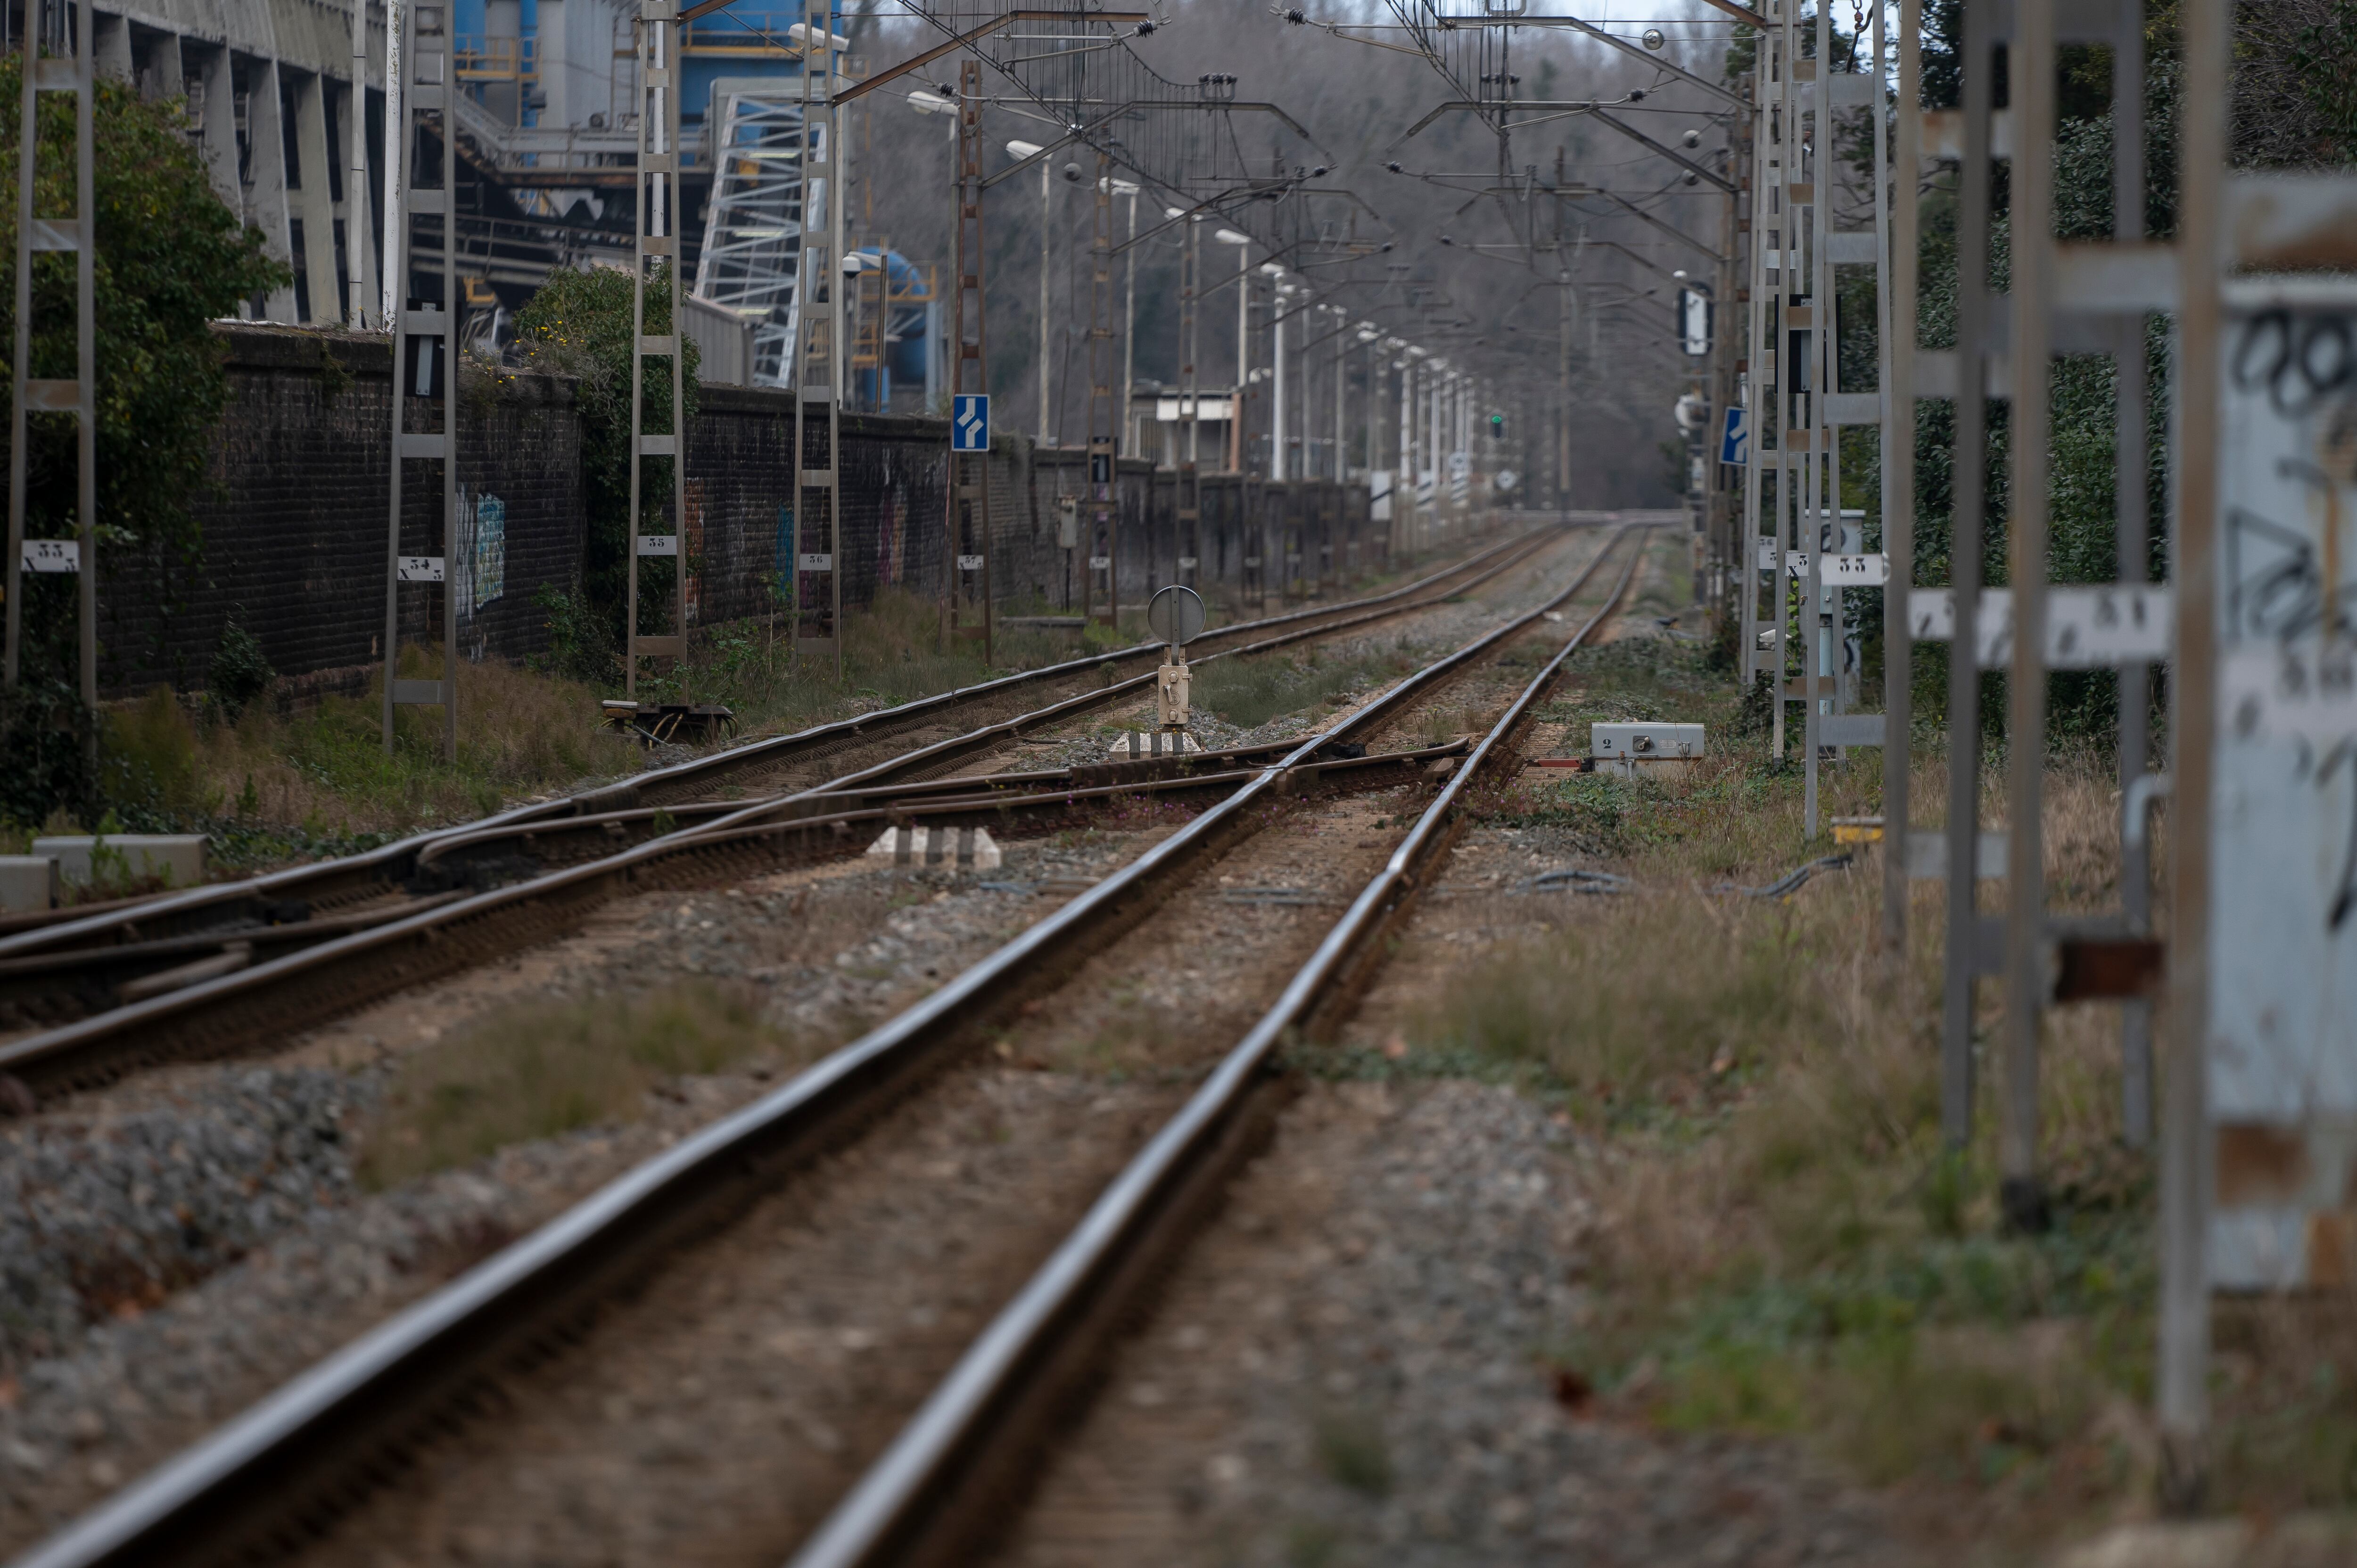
column 969, row 422
column 1735, row 442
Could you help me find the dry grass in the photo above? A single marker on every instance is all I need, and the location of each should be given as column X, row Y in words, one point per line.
column 539, row 1069
column 1249, row 692
column 520, row 734
column 892, row 652
column 1784, row 1246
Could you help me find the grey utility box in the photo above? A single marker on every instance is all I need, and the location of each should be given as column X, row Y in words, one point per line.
column 178, row 858
column 28, row 882
column 1644, row 750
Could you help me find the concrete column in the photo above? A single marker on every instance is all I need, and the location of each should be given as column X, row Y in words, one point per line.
column 502, row 44
column 555, row 51
column 315, row 200
column 111, row 45
column 357, row 207
column 216, row 135
column 266, row 133
column 165, row 68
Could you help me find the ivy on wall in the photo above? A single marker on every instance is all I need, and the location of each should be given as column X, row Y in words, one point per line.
column 170, row 258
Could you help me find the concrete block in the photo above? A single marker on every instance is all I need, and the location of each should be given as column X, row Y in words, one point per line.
column 1645, row 750
column 178, row 858
column 954, row 849
column 1651, row 740
column 28, row 882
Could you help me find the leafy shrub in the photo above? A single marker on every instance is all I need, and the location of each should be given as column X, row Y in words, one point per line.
column 170, row 258
column 581, row 639
column 239, row 672
column 578, row 324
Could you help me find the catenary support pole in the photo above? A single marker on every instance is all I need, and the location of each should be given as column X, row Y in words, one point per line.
column 1968, row 494
column 2186, row 1149
column 1898, row 487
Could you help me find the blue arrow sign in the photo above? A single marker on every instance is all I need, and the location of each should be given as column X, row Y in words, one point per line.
column 969, row 422
column 1735, row 442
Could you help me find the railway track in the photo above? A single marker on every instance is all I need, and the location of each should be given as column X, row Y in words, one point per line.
column 950, row 1479
column 211, row 973
column 351, row 882
column 292, row 1465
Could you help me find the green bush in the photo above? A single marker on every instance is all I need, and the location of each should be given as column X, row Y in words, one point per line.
column 170, row 258
column 241, row 671
column 578, row 324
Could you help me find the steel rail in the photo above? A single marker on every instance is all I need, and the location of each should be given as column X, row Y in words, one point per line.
column 314, row 982
column 973, row 1444
column 89, row 981
column 378, row 870
column 282, row 1466
column 912, row 766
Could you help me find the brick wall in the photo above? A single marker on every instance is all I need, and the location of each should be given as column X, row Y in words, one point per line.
column 295, row 518
column 295, row 525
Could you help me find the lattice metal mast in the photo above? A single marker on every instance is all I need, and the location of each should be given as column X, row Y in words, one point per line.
column 818, row 347
column 660, row 210
column 967, row 537
column 434, row 333
column 63, row 34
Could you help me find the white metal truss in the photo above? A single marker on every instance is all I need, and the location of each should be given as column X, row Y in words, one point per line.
column 753, row 222
column 432, row 362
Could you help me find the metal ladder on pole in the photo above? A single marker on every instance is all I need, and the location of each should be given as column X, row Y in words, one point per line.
column 657, row 222
column 817, row 350
column 424, row 344
column 1794, row 364
column 966, row 608
column 65, row 70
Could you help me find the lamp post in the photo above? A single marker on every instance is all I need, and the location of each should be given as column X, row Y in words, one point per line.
column 1128, row 302
column 1280, row 456
column 939, row 347
column 1047, row 194
column 1242, row 242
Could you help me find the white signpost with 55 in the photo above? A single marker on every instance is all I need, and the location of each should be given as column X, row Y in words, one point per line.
column 2283, row 823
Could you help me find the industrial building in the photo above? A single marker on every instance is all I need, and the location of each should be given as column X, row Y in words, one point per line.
column 544, row 139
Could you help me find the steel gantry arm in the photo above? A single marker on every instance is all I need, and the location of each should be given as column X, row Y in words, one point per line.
column 1647, row 142
column 1679, row 235
column 956, row 42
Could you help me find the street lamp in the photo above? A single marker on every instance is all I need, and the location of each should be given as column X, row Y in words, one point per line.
column 1242, row 242
column 1047, row 194
column 1280, row 463
column 1128, row 300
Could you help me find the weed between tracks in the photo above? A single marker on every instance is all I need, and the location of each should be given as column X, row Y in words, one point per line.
column 1249, row 692
column 540, row 1069
column 1783, row 1246
column 273, row 783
